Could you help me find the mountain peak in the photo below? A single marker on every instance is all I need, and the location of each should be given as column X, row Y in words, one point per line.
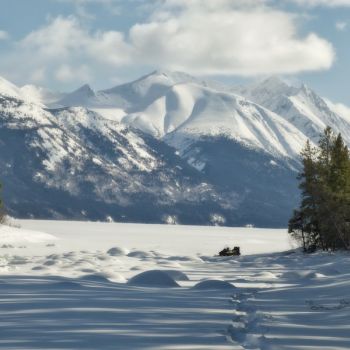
column 304, row 88
column 8, row 89
column 267, row 89
column 173, row 74
column 86, row 90
column 168, row 77
column 273, row 83
column 78, row 97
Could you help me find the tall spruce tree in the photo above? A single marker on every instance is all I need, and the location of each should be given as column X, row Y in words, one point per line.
column 304, row 222
column 2, row 213
column 323, row 219
column 324, row 191
column 339, row 192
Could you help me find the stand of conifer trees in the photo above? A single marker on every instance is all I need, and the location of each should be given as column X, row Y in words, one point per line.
column 2, row 210
column 323, row 219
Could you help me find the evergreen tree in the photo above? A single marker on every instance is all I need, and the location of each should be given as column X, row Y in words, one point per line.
column 309, row 184
column 296, row 227
column 324, row 191
column 2, row 213
column 339, row 192
column 323, row 219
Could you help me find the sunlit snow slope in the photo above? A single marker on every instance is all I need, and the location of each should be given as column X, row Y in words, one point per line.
column 167, row 147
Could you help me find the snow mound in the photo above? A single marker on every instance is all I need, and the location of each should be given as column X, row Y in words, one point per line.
column 177, row 275
column 140, row 254
column 103, row 277
column 214, row 285
column 95, row 277
column 266, row 275
column 315, row 275
column 153, row 278
column 10, row 235
column 306, row 274
column 328, row 271
column 62, row 285
column 117, row 251
column 183, row 258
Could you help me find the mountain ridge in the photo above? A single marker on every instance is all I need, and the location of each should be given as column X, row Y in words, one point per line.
column 166, row 147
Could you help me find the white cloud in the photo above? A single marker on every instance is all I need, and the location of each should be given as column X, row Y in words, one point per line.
column 328, row 3
column 37, row 75
column 65, row 51
column 341, row 25
column 211, row 40
column 66, row 39
column 66, row 73
column 339, row 108
column 4, row 35
column 241, row 37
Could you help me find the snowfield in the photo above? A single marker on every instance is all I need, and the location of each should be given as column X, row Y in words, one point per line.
column 80, row 285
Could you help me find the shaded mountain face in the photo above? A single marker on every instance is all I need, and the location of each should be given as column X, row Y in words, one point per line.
column 167, row 147
column 72, row 163
column 265, row 186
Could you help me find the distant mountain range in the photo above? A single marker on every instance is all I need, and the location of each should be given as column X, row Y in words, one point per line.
column 166, row 148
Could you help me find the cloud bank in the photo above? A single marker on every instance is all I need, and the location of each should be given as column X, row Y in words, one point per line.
column 244, row 38
column 328, row 3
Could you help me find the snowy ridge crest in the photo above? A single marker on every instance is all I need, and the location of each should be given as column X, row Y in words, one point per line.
column 158, row 148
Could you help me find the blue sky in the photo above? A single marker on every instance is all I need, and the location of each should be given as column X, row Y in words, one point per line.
column 63, row 44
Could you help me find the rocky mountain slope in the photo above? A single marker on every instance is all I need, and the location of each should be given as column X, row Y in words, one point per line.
column 72, row 163
column 301, row 106
column 167, row 147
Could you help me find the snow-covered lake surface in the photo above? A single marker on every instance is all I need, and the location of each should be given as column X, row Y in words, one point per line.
column 74, row 285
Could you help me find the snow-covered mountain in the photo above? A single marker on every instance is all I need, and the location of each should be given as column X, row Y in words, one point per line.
column 80, row 97
column 269, row 115
column 29, row 93
column 166, row 147
column 300, row 106
column 73, row 163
